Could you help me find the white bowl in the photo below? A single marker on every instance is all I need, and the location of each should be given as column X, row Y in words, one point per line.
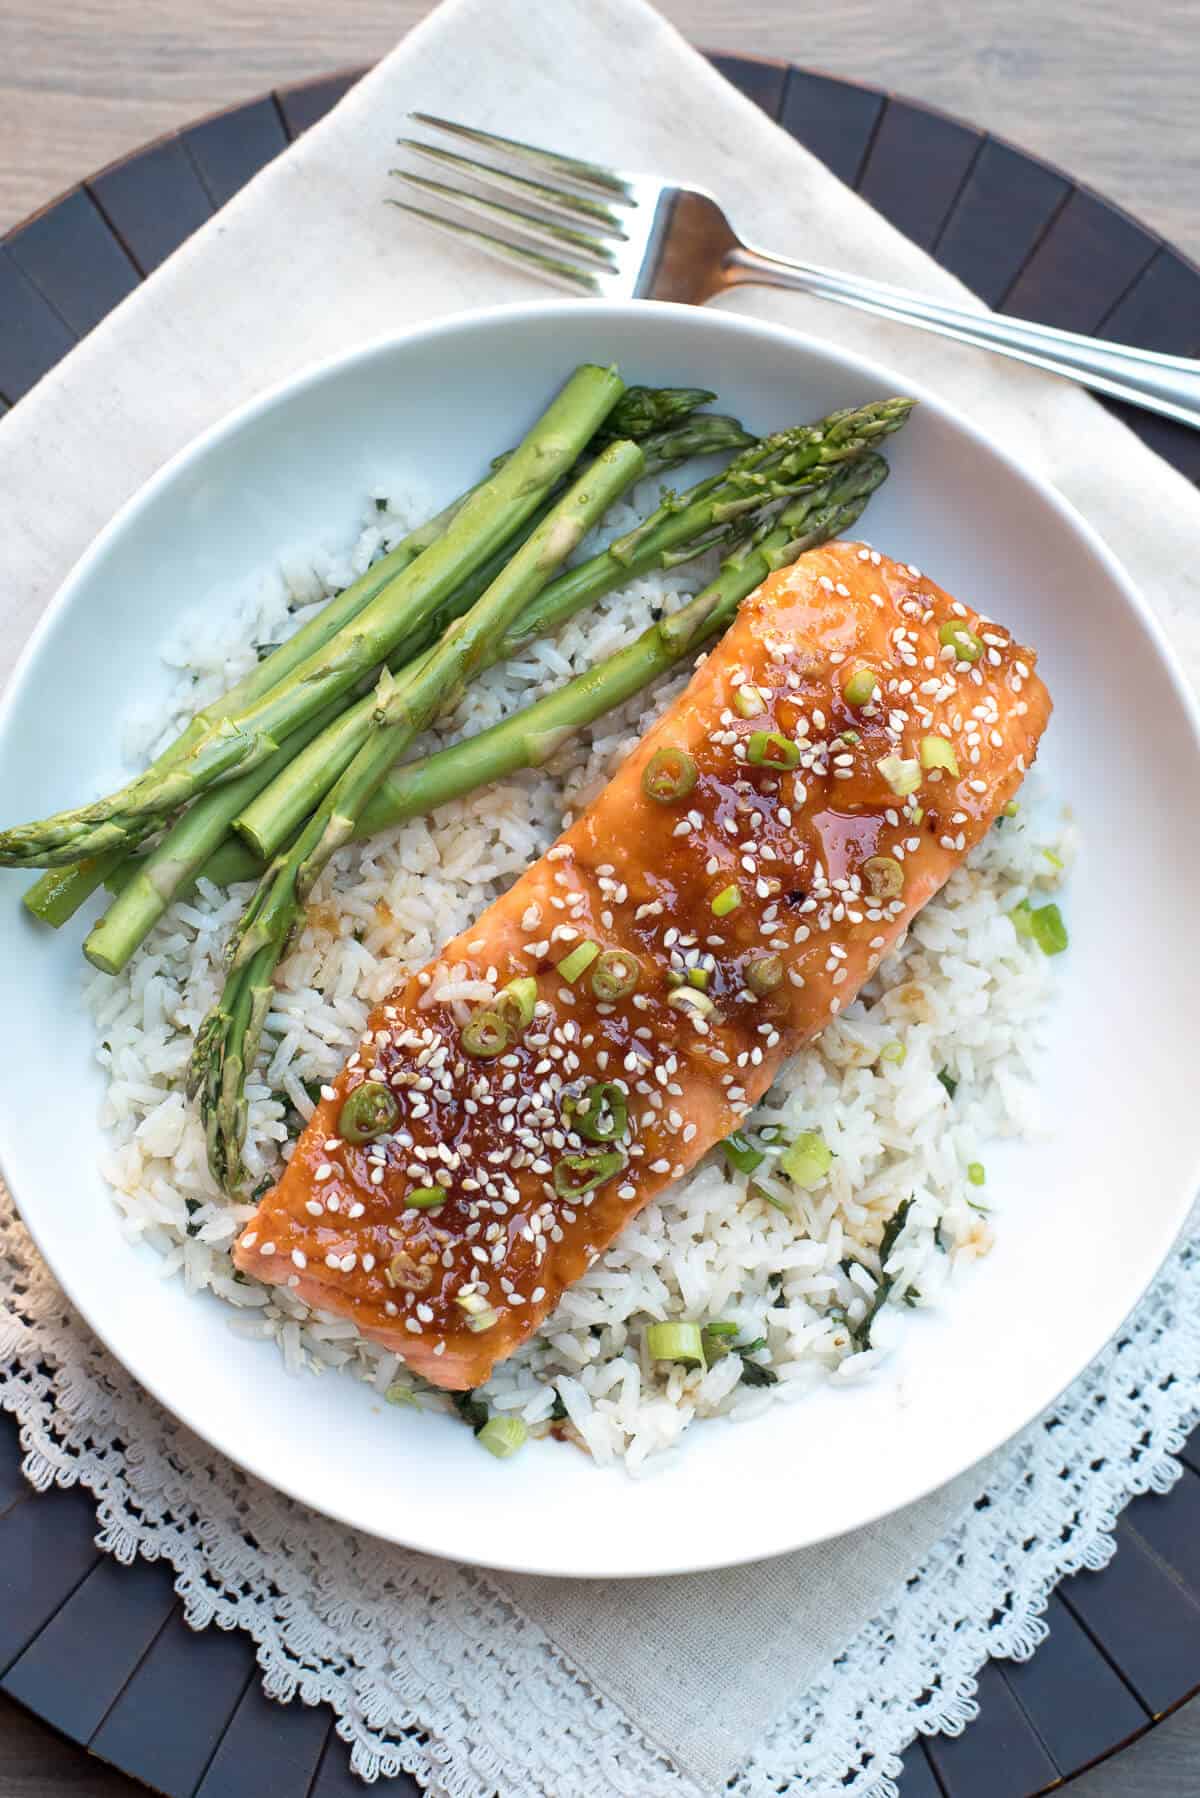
column 1085, row 1218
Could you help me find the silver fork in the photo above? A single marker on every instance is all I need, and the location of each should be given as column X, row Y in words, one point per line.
column 605, row 233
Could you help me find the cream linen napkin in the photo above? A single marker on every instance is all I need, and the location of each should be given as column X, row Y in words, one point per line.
column 308, row 261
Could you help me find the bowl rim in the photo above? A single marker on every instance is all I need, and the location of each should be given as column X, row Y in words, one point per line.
column 787, row 341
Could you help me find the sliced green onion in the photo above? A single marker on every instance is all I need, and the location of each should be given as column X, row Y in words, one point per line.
column 370, row 1111
column 740, row 1153
column 975, row 1173
column 1011, row 809
column 937, row 753
column 894, row 1052
column 408, row 1274
column 1056, row 861
column 902, row 776
column 720, row 1328
column 676, row 1342
column 687, row 998
column 601, row 1115
column 959, row 637
column 425, row 1198
column 1021, row 918
column 400, row 1394
column 884, row 876
column 807, row 1161
column 1049, row 931
column 615, row 974
column 861, row 688
column 948, row 1081
column 670, row 774
column 916, row 813
column 503, row 1436
column 698, row 977
column 748, row 701
column 727, row 900
column 480, row 1315
column 578, row 961
column 485, row 1034
column 850, row 736
column 763, row 974
column 575, row 1175
column 517, row 1002
column 771, row 749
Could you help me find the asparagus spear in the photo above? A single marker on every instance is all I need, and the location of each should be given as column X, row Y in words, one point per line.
column 237, row 743
column 269, row 821
column 529, row 738
column 642, row 413
column 177, row 859
column 227, row 1045
column 754, row 479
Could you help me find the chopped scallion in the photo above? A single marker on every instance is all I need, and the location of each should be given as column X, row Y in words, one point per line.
column 763, row 974
column 740, row 1153
column 698, row 977
column 425, row 1198
column 771, row 749
column 861, row 688
column 727, row 900
column 615, row 974
column 670, row 774
column 485, row 1034
column 959, row 637
column 883, row 876
column 903, row 775
column 502, row 1436
column 948, row 1081
column 894, row 1052
column 1049, row 931
column 578, row 961
column 516, row 1003
column 975, row 1173
column 807, row 1161
column 676, row 1342
column 748, row 701
column 601, row 1115
column 576, row 1175
column 937, row 753
column 689, row 998
column 370, row 1112
column 480, row 1315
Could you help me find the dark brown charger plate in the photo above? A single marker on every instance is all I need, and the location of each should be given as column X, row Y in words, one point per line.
column 101, row 1651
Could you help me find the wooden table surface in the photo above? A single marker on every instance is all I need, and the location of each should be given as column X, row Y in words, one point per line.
column 1105, row 89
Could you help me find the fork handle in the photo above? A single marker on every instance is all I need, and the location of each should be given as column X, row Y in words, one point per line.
column 1147, row 378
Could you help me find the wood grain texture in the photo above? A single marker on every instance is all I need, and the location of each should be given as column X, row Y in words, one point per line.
column 1104, row 90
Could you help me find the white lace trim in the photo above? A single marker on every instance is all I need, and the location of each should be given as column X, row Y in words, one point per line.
column 431, row 1670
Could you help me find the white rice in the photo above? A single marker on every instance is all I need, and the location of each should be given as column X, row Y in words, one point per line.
column 964, row 995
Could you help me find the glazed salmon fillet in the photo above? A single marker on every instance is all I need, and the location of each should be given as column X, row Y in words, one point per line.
column 831, row 762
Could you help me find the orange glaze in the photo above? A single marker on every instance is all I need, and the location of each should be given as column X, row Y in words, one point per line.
column 340, row 1228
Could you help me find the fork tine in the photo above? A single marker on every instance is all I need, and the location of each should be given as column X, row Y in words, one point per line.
column 547, row 268
column 554, row 199
column 545, row 231
column 589, row 174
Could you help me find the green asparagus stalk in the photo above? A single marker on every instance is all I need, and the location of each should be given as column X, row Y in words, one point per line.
column 754, row 479
column 227, row 1045
column 237, row 743
column 175, row 862
column 177, row 859
column 643, row 413
column 529, row 738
